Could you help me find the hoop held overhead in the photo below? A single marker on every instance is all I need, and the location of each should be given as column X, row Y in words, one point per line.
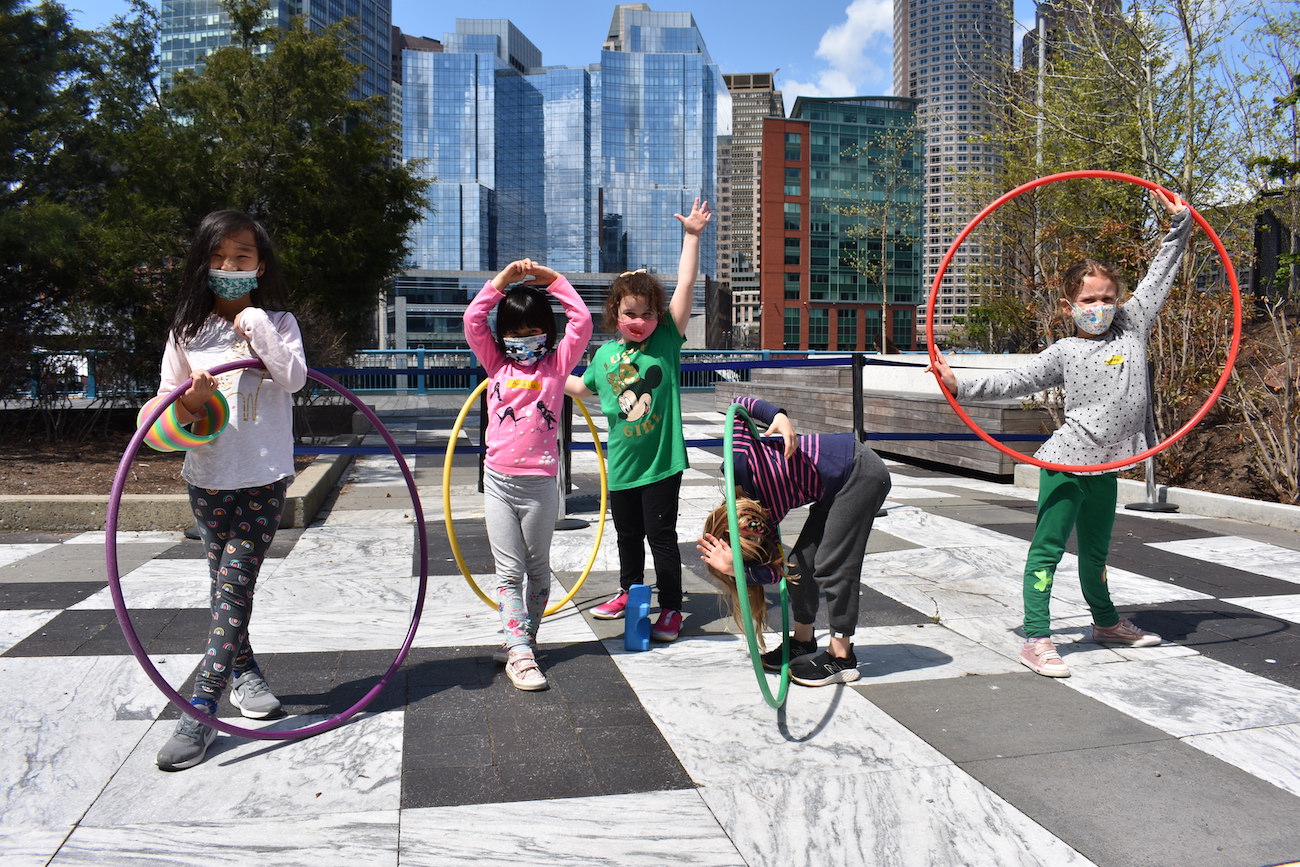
column 1158, row 447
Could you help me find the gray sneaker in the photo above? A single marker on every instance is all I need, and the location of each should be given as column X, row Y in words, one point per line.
column 187, row 746
column 252, row 696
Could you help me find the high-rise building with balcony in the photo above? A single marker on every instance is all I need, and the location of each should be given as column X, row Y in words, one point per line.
column 942, row 49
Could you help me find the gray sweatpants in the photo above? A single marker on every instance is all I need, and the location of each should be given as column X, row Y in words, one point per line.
column 521, row 512
column 833, row 542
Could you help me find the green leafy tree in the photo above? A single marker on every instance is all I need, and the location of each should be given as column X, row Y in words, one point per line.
column 280, row 134
column 42, row 103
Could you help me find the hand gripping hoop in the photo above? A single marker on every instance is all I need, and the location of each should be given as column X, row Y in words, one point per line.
column 124, row 615
column 733, row 527
column 1172, row 438
column 450, row 523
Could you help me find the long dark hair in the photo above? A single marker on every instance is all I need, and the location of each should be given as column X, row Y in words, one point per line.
column 525, row 307
column 196, row 298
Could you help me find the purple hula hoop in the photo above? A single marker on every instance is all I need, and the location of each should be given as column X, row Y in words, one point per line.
column 124, row 616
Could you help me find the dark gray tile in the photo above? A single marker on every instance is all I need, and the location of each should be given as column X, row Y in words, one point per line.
column 1160, row 802
column 996, row 716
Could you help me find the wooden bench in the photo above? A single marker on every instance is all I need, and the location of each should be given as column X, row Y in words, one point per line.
column 820, row 399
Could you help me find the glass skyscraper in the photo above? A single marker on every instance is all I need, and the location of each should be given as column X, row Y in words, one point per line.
column 189, row 30
column 580, row 167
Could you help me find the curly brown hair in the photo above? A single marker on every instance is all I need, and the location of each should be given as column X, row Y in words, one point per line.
column 634, row 284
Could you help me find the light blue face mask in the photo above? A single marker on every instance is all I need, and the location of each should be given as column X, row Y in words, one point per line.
column 229, row 285
column 525, row 350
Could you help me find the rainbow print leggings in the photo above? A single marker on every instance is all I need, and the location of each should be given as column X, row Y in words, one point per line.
column 237, row 527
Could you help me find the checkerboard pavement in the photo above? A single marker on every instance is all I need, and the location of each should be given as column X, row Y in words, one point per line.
column 946, row 751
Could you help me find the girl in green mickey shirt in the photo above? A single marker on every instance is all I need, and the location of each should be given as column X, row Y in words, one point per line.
column 636, row 376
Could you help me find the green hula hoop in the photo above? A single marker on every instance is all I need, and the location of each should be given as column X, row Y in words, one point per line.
column 747, row 619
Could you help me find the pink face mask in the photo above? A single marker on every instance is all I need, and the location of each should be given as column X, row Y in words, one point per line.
column 637, row 330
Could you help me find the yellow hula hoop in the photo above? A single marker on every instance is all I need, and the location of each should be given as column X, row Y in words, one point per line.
column 451, row 529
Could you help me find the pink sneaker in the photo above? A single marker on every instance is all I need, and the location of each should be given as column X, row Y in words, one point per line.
column 668, row 626
column 1039, row 656
column 1126, row 633
column 611, row 610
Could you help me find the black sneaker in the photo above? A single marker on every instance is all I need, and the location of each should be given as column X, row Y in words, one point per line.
column 799, row 651
column 824, row 669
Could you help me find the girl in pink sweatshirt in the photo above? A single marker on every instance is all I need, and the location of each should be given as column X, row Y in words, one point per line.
column 527, row 367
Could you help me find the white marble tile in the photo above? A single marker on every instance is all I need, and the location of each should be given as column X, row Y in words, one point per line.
column 703, row 696
column 936, row 531
column 575, row 832
column 166, row 583
column 299, row 612
column 354, row 768
column 310, row 840
column 904, row 492
column 16, row 624
column 925, row 816
column 1269, row 753
column 375, row 471
column 453, row 616
column 14, row 553
column 70, row 723
column 1190, row 696
column 897, row 654
column 1071, row 635
column 401, row 514
column 96, row 537
column 1285, row 607
column 23, row 845
column 1247, row 554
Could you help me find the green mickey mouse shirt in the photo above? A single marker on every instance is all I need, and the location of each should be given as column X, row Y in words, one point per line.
column 638, row 386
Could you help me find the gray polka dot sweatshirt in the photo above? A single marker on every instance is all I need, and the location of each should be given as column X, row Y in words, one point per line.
column 1104, row 378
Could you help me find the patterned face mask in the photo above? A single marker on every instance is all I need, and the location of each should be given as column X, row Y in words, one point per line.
column 229, row 285
column 1094, row 319
column 525, row 350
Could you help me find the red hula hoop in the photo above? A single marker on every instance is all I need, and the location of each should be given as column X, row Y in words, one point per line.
column 1172, row 438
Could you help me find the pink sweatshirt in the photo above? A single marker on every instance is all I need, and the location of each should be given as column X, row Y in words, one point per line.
column 525, row 401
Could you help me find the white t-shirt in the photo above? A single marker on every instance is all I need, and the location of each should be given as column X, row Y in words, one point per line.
column 256, row 447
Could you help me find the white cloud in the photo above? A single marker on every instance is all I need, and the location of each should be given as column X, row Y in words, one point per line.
column 858, row 54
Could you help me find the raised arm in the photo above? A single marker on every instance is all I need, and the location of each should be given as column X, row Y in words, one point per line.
column 1153, row 289
column 688, row 266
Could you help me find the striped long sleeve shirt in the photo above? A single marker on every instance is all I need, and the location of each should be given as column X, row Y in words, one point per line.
column 814, row 474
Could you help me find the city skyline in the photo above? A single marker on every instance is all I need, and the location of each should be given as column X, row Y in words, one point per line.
column 828, row 50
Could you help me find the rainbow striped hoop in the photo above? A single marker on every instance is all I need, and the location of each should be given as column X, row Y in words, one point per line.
column 168, row 434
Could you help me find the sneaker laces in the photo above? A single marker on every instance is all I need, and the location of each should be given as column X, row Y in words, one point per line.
column 255, row 686
column 190, row 729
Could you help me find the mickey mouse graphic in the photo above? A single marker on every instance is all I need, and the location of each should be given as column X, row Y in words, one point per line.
column 634, row 389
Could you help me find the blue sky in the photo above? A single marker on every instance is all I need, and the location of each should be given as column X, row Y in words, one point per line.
column 821, row 47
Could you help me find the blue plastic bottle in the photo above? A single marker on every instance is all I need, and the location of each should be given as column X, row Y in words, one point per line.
column 636, row 618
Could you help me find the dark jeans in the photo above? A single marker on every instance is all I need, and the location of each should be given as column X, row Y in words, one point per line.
column 649, row 512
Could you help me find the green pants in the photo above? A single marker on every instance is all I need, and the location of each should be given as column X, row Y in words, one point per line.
column 1065, row 502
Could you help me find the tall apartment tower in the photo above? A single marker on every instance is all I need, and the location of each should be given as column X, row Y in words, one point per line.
column 942, row 49
column 753, row 97
column 189, row 30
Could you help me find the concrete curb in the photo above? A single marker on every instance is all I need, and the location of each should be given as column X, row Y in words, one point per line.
column 1192, row 502
column 61, row 512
